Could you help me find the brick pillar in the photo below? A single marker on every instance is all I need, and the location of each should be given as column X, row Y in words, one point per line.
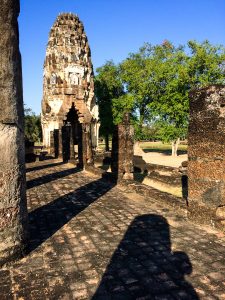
column 206, row 155
column 87, row 152
column 66, row 129
column 60, row 148
column 123, row 150
column 56, row 142
column 72, row 152
column 52, row 144
column 13, row 206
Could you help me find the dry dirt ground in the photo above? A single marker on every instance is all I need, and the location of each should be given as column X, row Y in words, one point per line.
column 159, row 158
column 163, row 159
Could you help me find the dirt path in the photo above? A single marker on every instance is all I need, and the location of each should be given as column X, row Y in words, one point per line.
column 159, row 158
column 163, row 159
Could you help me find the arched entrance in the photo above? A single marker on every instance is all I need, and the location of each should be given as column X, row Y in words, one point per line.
column 72, row 137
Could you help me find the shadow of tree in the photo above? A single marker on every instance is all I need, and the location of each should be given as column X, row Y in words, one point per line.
column 144, row 266
column 47, row 219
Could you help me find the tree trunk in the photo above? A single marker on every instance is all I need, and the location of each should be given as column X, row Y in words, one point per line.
column 141, row 120
column 175, row 145
column 106, row 142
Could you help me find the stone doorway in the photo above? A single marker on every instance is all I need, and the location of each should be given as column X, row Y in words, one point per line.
column 72, row 137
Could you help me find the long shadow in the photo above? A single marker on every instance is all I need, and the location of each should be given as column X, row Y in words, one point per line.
column 51, row 177
column 166, row 152
column 37, row 168
column 47, row 219
column 144, row 266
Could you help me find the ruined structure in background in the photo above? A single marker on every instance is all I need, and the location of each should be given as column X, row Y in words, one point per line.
column 69, row 111
column 13, row 208
column 123, row 149
column 206, row 152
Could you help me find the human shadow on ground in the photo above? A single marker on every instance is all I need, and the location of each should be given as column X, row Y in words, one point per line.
column 37, row 168
column 44, row 221
column 144, row 266
column 51, row 177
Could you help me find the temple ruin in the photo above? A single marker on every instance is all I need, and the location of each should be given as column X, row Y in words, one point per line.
column 123, row 149
column 13, row 207
column 70, row 120
column 206, row 152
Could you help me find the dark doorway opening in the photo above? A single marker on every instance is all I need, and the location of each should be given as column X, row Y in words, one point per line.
column 72, row 137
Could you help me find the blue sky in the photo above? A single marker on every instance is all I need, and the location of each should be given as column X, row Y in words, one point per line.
column 114, row 28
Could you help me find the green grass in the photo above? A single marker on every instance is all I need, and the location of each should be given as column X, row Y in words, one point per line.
column 153, row 147
column 101, row 145
column 161, row 147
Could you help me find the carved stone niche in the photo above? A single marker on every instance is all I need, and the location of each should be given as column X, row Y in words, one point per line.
column 53, row 78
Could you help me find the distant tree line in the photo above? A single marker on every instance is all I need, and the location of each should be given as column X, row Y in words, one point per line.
column 32, row 131
column 153, row 84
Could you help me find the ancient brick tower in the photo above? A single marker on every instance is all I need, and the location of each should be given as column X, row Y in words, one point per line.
column 69, row 111
column 13, row 208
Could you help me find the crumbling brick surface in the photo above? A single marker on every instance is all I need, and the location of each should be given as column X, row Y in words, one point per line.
column 206, row 153
column 123, row 150
column 13, row 213
column 68, row 77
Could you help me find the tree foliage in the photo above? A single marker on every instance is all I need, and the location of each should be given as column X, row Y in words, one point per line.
column 33, row 131
column 206, row 64
column 154, row 84
column 121, row 105
column 108, row 85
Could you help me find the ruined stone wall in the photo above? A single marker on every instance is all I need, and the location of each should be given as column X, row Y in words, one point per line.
column 68, row 76
column 206, row 153
column 123, row 150
column 13, row 209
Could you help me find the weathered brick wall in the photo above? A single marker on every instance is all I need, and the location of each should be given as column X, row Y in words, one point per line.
column 206, row 154
column 68, row 77
column 123, row 150
column 13, row 209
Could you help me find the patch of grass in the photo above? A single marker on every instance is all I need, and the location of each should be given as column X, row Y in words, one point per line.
column 101, row 145
column 162, row 148
column 176, row 191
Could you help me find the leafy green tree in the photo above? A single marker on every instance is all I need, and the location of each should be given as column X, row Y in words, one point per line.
column 171, row 104
column 121, row 105
column 206, row 64
column 33, row 131
column 157, row 78
column 108, row 86
column 154, row 84
column 136, row 73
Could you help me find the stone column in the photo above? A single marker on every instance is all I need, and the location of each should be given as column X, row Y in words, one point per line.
column 13, row 206
column 206, row 155
column 66, row 129
column 56, row 142
column 87, row 152
column 52, row 144
column 123, row 150
column 72, row 153
column 60, row 140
